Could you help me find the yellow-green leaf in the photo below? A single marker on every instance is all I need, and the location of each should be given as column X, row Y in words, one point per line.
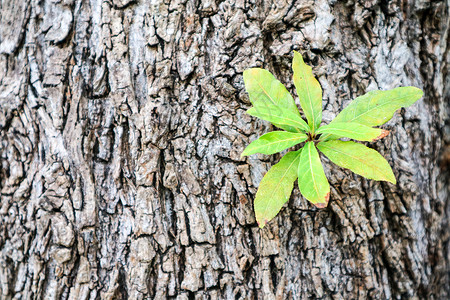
column 312, row 181
column 358, row 158
column 276, row 188
column 271, row 101
column 284, row 120
column 377, row 107
column 354, row 131
column 308, row 91
column 274, row 142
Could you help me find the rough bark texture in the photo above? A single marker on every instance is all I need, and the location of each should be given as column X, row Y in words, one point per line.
column 121, row 128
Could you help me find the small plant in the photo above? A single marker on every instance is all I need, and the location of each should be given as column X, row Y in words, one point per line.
column 272, row 102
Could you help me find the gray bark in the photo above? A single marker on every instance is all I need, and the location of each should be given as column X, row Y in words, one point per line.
column 121, row 128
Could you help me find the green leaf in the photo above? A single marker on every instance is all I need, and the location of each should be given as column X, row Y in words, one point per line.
column 276, row 187
column 284, row 120
column 274, row 142
column 271, row 101
column 354, row 131
column 289, row 128
column 377, row 107
column 312, row 181
column 308, row 90
column 359, row 159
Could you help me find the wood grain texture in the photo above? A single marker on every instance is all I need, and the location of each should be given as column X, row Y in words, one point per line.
column 121, row 128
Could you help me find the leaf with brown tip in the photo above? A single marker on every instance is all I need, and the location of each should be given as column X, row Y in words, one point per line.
column 312, row 181
column 353, row 130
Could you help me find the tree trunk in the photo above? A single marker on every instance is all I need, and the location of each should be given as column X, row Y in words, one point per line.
column 121, row 128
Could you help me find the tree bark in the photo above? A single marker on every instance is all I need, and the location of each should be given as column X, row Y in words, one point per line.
column 121, row 128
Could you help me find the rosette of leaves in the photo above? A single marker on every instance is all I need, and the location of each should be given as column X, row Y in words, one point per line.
column 272, row 102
